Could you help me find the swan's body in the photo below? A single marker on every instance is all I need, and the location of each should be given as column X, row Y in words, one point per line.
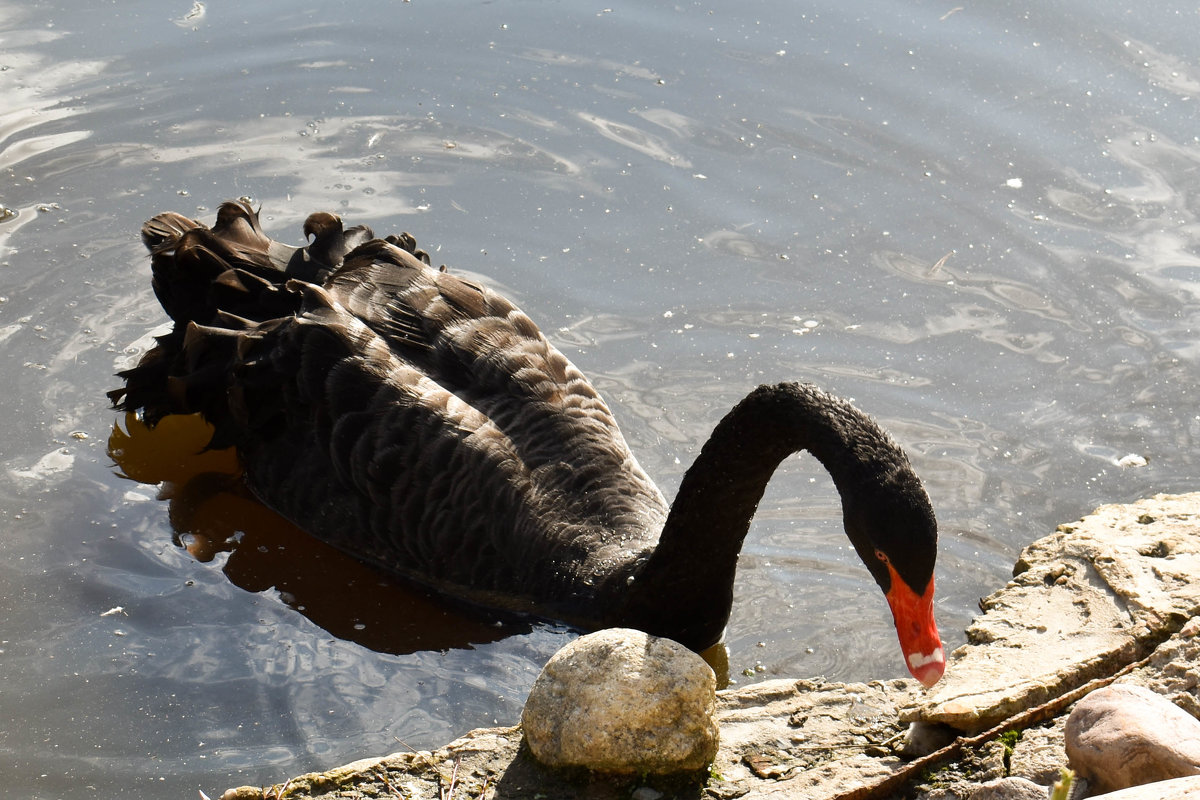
column 423, row 423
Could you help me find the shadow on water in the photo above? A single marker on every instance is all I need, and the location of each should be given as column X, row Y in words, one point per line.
column 211, row 512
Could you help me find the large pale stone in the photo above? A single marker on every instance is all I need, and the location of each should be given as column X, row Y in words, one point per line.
column 1175, row 789
column 621, row 701
column 1122, row 736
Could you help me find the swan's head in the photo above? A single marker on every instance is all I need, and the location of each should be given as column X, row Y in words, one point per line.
column 895, row 534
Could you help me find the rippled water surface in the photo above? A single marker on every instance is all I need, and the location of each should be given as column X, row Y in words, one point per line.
column 978, row 220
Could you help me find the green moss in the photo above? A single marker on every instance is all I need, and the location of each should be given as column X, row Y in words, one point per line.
column 935, row 777
column 1009, row 739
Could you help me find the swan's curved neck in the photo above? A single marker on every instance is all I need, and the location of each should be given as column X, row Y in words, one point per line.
column 690, row 573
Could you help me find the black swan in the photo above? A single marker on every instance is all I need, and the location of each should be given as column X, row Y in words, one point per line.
column 425, row 425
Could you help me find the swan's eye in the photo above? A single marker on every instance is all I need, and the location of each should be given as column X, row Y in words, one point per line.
column 882, row 556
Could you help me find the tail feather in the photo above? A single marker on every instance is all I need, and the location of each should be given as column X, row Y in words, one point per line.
column 161, row 233
column 223, row 286
column 214, row 283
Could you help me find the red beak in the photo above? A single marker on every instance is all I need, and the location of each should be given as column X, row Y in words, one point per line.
column 917, row 629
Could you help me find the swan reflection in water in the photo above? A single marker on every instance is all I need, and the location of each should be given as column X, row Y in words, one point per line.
column 211, row 512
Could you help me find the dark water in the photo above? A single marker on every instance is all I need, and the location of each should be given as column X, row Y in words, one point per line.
column 980, row 221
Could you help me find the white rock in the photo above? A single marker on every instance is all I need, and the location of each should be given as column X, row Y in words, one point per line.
column 921, row 739
column 621, row 701
column 1175, row 789
column 1122, row 736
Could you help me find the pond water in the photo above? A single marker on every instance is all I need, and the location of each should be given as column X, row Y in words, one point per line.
column 979, row 220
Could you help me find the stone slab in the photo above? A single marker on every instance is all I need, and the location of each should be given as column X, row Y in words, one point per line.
column 1095, row 595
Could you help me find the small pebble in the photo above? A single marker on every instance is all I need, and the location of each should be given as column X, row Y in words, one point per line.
column 646, row 793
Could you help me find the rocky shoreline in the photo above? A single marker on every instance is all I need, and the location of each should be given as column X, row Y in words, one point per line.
column 1112, row 598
